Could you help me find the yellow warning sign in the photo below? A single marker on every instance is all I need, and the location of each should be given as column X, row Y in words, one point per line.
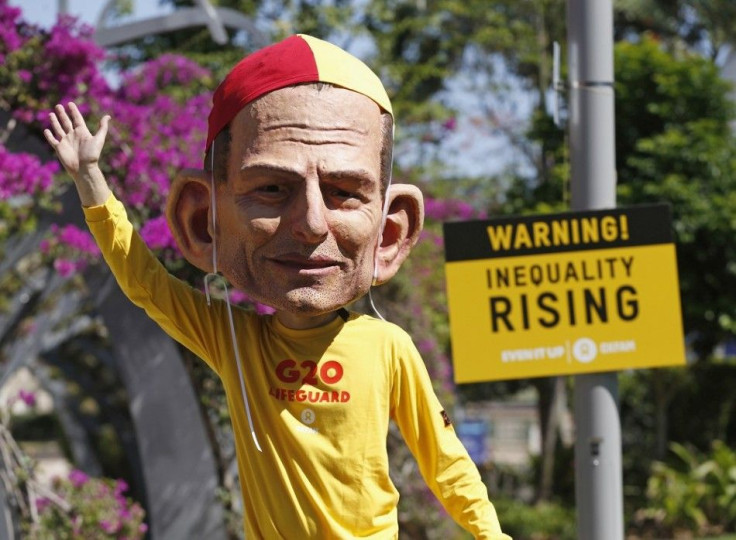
column 563, row 294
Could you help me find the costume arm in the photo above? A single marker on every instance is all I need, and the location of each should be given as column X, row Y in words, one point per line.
column 443, row 461
column 175, row 306
column 178, row 309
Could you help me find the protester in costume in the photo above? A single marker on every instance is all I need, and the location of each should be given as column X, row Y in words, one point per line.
column 295, row 208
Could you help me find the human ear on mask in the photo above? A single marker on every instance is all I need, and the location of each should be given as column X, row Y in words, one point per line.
column 403, row 224
column 188, row 214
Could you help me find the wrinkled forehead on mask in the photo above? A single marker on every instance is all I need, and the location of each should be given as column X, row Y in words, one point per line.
column 296, row 60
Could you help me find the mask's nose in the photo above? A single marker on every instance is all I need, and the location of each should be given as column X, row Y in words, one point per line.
column 309, row 214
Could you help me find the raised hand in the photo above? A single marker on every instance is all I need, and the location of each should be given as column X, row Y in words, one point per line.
column 79, row 151
column 76, row 147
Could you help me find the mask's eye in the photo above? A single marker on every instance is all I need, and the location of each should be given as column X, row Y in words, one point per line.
column 267, row 193
column 342, row 194
column 271, row 188
column 272, row 192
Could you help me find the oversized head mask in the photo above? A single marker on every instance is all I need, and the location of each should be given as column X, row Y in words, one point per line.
column 296, row 60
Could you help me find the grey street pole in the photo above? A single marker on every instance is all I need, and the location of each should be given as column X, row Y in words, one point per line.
column 598, row 476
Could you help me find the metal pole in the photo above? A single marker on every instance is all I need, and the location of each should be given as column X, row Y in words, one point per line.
column 598, row 476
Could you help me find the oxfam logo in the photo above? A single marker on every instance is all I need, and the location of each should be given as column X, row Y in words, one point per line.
column 584, row 350
column 308, row 416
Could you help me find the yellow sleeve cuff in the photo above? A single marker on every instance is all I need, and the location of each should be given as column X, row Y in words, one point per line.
column 101, row 212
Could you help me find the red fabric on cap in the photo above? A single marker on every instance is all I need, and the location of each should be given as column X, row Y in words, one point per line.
column 288, row 62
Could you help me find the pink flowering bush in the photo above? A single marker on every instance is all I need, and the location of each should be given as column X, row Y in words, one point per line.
column 10, row 37
column 168, row 71
column 158, row 126
column 29, row 398
column 158, row 110
column 23, row 175
column 40, row 69
column 450, row 210
column 25, row 184
column 70, row 248
column 98, row 509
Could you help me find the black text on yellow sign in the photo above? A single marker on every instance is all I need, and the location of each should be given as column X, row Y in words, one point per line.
column 563, row 294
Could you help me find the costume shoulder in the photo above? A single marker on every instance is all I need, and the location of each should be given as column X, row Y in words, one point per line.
column 388, row 340
column 376, row 327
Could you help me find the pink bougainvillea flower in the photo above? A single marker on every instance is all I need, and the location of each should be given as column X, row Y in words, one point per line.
column 29, row 398
column 78, row 478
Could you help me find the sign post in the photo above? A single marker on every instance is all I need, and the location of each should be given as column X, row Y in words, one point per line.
column 598, row 473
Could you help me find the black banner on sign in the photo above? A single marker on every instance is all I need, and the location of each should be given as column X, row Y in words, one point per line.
column 554, row 233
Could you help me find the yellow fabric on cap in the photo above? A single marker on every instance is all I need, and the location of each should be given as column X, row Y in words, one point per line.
column 340, row 68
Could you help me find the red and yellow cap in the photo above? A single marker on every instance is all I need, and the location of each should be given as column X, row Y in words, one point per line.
column 295, row 60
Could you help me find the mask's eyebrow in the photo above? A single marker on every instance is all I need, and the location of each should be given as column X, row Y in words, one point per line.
column 353, row 176
column 360, row 176
column 258, row 169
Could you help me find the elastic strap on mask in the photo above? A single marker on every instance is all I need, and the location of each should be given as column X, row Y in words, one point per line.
column 384, row 216
column 214, row 276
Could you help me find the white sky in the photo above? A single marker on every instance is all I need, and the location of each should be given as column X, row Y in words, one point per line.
column 44, row 12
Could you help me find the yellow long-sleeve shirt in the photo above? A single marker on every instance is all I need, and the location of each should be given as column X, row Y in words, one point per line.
column 321, row 400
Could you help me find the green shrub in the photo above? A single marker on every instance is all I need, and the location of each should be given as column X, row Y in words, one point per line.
column 696, row 492
column 89, row 508
column 542, row 521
